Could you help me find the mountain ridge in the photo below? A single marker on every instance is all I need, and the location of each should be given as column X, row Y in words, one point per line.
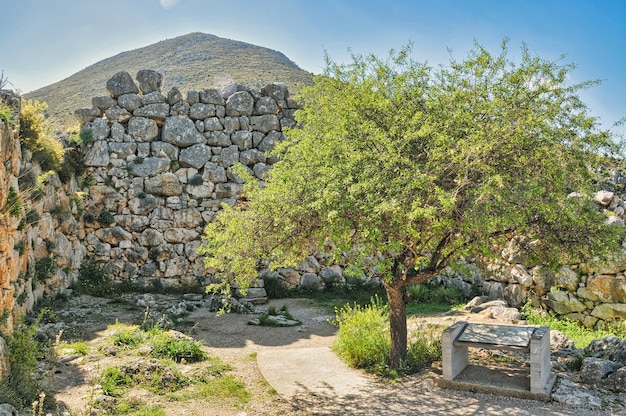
column 189, row 62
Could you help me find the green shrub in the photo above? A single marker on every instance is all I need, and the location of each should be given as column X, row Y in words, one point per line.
column 177, row 349
column 14, row 203
column 128, row 337
column 24, row 383
column 93, row 280
column 45, row 268
column 20, row 246
column 105, row 218
column 6, row 114
column 363, row 340
column 72, row 165
column 112, row 380
column 36, row 134
column 274, row 286
column 32, row 216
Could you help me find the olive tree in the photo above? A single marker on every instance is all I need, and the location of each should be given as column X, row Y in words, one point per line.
column 406, row 168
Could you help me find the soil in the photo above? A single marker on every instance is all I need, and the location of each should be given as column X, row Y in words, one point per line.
column 238, row 344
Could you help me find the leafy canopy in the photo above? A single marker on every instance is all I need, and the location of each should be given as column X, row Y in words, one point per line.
column 407, row 167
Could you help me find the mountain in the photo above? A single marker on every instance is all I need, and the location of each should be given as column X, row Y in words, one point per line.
column 191, row 62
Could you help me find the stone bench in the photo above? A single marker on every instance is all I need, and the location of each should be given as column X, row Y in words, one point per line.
column 534, row 340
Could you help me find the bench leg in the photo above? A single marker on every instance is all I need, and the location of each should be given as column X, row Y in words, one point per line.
column 454, row 359
column 540, row 360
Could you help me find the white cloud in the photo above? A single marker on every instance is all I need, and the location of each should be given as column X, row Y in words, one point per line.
column 168, row 4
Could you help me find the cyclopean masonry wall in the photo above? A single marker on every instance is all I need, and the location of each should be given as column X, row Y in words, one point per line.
column 160, row 165
column 590, row 294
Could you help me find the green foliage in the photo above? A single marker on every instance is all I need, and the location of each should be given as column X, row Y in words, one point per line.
column 425, row 293
column 24, row 383
column 405, row 168
column 20, row 246
column 363, row 340
column 196, row 180
column 105, row 218
column 45, row 268
column 32, row 216
column 14, row 203
column 128, row 337
column 93, row 280
column 177, row 349
column 113, row 380
column 36, row 134
column 72, row 165
column 76, row 347
column 573, row 330
column 7, row 114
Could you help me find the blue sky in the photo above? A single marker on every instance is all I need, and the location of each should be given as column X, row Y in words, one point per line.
column 44, row 41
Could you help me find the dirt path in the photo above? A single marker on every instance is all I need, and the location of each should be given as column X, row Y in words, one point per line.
column 292, row 372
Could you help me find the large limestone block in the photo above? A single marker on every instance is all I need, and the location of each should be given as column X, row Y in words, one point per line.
column 242, row 138
column 179, row 235
column 278, row 91
column 195, row 156
column 204, row 190
column 103, row 102
column 151, row 238
column 211, row 96
column 229, row 156
column 214, row 173
column 98, row 155
column 181, row 131
column 563, row 302
column 158, row 112
column 240, row 103
column 149, row 81
column 130, row 102
column 265, row 105
column 201, row 111
column 165, row 184
column 251, row 157
column 567, row 278
column 149, row 166
column 604, row 288
column 123, row 150
column 121, row 83
column 265, row 123
column 113, row 235
column 143, row 129
column 162, row 149
column 610, row 311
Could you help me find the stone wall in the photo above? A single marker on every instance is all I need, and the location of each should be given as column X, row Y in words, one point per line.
column 590, row 294
column 160, row 167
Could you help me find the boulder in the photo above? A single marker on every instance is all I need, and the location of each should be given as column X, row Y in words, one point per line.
column 604, row 288
column 603, row 198
column 121, row 83
column 211, row 96
column 158, row 112
column 201, row 111
column 149, row 166
column 103, row 102
column 165, row 184
column 113, row 235
column 265, row 105
column 195, row 156
column 265, row 123
column 179, row 235
column 240, row 103
column 149, row 81
column 98, row 155
column 164, row 150
column 130, row 102
column 85, row 115
column 278, row 91
column 563, row 302
column 143, row 129
column 181, row 131
column 610, row 311
column 8, row 410
column 595, row 370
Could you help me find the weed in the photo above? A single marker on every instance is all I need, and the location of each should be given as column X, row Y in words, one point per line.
column 105, row 218
column 45, row 268
column 20, row 246
column 128, row 337
column 32, row 216
column 93, row 280
column 177, row 349
column 6, row 114
column 573, row 330
column 77, row 347
column 14, row 203
column 112, row 380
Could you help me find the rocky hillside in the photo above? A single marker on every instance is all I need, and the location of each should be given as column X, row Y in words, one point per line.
column 191, row 62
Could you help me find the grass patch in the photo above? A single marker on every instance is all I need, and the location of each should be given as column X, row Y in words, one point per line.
column 580, row 335
column 177, row 349
column 76, row 347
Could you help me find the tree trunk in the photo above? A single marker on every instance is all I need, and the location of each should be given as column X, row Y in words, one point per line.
column 397, row 325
